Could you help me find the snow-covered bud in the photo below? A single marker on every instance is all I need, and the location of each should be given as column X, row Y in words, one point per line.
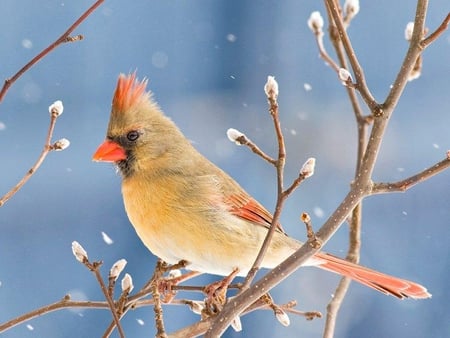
column 409, row 30
column 127, row 283
column 61, row 144
column 235, row 136
column 271, row 87
column 351, row 8
column 79, row 252
column 417, row 69
column 282, row 317
column 414, row 74
column 175, row 273
column 196, row 307
column 308, row 167
column 56, row 108
column 117, row 268
column 315, row 22
column 345, row 76
column 236, row 324
column 305, row 217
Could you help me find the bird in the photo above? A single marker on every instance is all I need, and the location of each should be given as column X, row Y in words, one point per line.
column 185, row 208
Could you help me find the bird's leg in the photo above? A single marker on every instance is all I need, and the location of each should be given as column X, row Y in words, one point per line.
column 161, row 268
column 216, row 293
column 164, row 285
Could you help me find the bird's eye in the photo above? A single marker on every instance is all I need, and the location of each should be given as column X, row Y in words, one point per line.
column 133, row 135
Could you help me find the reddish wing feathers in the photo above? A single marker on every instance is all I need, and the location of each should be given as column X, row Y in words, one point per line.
column 394, row 286
column 247, row 208
column 128, row 92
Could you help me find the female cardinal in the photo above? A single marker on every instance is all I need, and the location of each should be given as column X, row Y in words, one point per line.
column 183, row 207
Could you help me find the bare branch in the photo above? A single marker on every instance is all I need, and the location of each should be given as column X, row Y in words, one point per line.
column 271, row 90
column 241, row 139
column 407, row 183
column 64, row 38
column 437, row 33
column 411, row 56
column 47, row 148
column 64, row 303
column 353, row 255
column 95, row 269
column 361, row 85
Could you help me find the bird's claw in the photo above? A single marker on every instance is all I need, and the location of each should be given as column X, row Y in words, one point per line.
column 216, row 293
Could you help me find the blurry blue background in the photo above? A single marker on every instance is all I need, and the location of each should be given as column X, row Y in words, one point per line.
column 207, row 63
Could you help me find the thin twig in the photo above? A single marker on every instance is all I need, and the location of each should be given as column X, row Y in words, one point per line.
column 279, row 164
column 95, row 268
column 353, row 255
column 65, row 37
column 355, row 223
column 407, row 183
column 309, row 229
column 244, row 140
column 361, row 85
column 47, row 148
column 324, row 54
column 67, row 303
column 64, row 303
column 437, row 33
column 201, row 327
column 410, row 58
column 248, row 293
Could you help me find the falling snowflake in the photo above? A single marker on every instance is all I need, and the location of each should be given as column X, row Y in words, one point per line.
column 106, row 238
column 318, row 211
column 231, row 37
column 27, row 43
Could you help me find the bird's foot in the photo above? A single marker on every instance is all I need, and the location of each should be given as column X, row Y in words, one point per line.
column 216, row 294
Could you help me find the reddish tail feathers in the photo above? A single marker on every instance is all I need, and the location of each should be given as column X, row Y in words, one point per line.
column 389, row 285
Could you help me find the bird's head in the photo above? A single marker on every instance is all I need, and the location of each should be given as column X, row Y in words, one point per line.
column 138, row 135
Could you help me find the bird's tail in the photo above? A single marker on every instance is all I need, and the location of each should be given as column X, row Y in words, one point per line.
column 389, row 285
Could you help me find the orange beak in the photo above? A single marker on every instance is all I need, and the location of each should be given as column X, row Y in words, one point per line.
column 109, row 151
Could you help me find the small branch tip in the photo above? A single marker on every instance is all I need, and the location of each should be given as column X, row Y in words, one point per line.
column 236, row 136
column 127, row 283
column 117, row 269
column 236, row 324
column 60, row 144
column 79, row 252
column 56, row 108
column 282, row 317
column 307, row 169
column 409, row 30
column 315, row 23
column 345, row 76
column 271, row 88
column 351, row 8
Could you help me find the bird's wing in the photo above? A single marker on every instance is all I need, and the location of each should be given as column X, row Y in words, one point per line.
column 244, row 206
